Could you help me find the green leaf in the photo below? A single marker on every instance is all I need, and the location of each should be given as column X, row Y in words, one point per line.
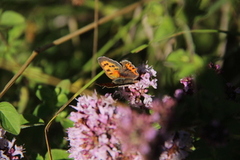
column 155, row 11
column 64, row 85
column 16, row 31
column 184, row 63
column 61, row 99
column 62, row 89
column 166, row 28
column 11, row 18
column 58, row 154
column 39, row 157
column 65, row 122
column 10, row 118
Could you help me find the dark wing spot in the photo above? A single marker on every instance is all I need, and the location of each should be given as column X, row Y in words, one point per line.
column 105, row 64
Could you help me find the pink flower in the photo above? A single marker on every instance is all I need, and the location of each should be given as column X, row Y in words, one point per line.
column 177, row 146
column 136, row 131
column 188, row 85
column 216, row 67
column 8, row 149
column 93, row 135
column 137, row 94
column 96, row 133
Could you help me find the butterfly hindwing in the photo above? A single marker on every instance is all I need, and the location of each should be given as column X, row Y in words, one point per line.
column 129, row 71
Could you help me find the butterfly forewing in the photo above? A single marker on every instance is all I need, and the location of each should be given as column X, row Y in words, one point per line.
column 121, row 75
column 112, row 68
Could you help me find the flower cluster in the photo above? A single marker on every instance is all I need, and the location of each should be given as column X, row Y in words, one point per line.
column 177, row 146
column 136, row 131
column 137, row 94
column 8, row 149
column 188, row 85
column 93, row 135
column 103, row 130
column 216, row 67
column 165, row 108
column 188, row 88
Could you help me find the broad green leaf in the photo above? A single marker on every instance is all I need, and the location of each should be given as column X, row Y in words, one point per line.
column 16, row 31
column 58, row 154
column 166, row 28
column 155, row 12
column 10, row 118
column 184, row 63
column 61, row 99
column 63, row 87
column 11, row 18
column 39, row 157
column 65, row 122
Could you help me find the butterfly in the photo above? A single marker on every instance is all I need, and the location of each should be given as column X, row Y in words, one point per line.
column 122, row 73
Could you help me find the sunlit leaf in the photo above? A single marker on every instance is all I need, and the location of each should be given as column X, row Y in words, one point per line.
column 16, row 31
column 58, row 154
column 10, row 118
column 11, row 18
column 184, row 63
column 166, row 28
column 63, row 87
column 61, row 99
column 39, row 157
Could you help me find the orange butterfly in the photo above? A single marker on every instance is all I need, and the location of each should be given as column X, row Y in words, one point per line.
column 121, row 74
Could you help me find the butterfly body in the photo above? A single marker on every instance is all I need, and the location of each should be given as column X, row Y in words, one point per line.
column 121, row 73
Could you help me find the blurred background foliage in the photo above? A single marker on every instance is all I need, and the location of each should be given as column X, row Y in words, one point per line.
column 177, row 37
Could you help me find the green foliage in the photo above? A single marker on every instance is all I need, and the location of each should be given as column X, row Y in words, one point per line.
column 58, row 154
column 12, row 26
column 62, row 90
column 10, row 119
column 17, row 26
column 8, row 16
column 165, row 29
column 184, row 63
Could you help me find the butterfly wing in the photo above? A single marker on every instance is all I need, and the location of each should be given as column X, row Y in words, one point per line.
column 112, row 68
column 129, row 71
column 108, row 85
column 124, row 81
